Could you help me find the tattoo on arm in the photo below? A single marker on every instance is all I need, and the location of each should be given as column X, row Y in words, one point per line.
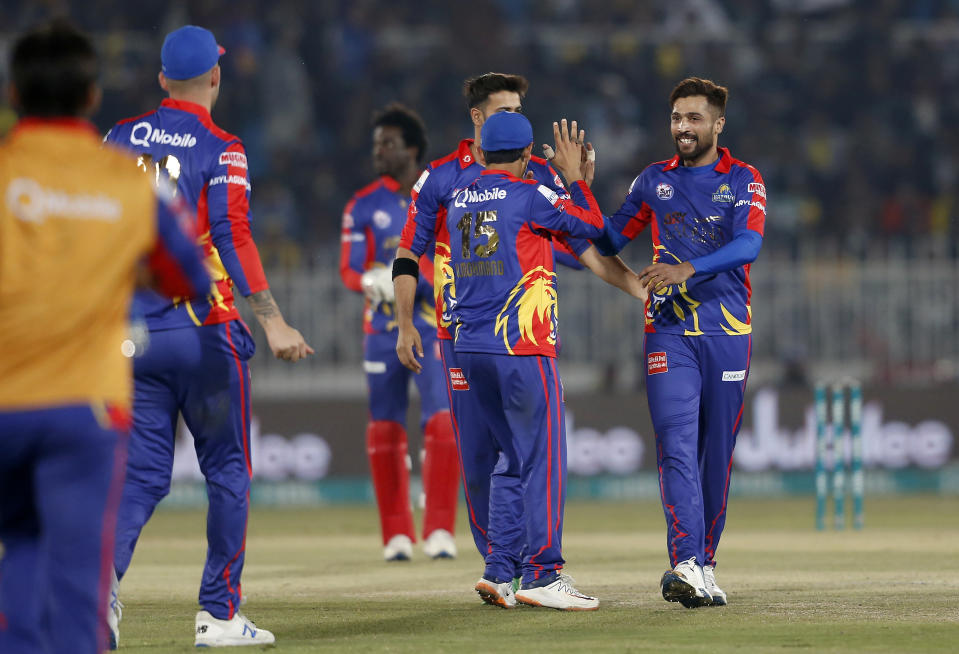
column 263, row 305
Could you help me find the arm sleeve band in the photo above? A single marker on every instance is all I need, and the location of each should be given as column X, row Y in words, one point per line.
column 404, row 266
column 743, row 249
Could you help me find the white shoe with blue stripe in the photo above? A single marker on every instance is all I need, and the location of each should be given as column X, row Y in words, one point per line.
column 237, row 631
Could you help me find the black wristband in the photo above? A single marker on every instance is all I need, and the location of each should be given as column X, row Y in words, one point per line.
column 404, row 266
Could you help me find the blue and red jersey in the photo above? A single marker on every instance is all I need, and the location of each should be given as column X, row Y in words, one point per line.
column 502, row 297
column 180, row 145
column 693, row 212
column 372, row 222
column 426, row 224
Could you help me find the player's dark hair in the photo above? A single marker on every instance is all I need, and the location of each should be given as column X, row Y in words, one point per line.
column 715, row 94
column 503, row 156
column 53, row 68
column 478, row 89
column 408, row 122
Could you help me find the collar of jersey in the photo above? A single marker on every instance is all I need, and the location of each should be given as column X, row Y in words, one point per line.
column 465, row 154
column 190, row 107
column 722, row 165
column 63, row 122
column 390, row 183
column 502, row 173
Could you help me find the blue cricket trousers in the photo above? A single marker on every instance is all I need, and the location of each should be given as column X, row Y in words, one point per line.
column 388, row 379
column 695, row 386
column 521, row 399
column 61, row 472
column 201, row 372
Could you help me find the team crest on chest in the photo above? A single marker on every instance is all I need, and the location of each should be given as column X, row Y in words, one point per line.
column 381, row 219
column 724, row 195
column 664, row 191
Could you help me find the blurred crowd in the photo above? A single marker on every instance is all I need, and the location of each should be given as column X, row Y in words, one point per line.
column 845, row 106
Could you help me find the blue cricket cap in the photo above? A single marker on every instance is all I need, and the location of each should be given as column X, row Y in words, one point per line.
column 188, row 52
column 506, row 131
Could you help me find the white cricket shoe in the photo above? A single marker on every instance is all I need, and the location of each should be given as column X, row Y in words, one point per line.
column 114, row 610
column 685, row 584
column 717, row 593
column 496, row 594
column 237, row 631
column 558, row 595
column 440, row 545
column 399, row 548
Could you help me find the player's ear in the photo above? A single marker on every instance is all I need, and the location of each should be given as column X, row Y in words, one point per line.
column 161, row 78
column 215, row 77
column 477, row 117
column 720, row 124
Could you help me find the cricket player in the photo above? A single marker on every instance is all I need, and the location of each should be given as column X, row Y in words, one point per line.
column 78, row 226
column 707, row 211
column 196, row 361
column 425, row 233
column 372, row 222
column 503, row 302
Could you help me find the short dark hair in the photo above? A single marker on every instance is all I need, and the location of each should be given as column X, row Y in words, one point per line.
column 503, row 156
column 716, row 95
column 53, row 68
column 410, row 124
column 478, row 89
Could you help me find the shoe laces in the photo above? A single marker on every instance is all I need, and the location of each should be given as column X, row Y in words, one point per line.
column 709, row 575
column 566, row 584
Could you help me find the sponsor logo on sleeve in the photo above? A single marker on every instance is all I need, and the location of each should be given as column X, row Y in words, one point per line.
column 752, row 203
column 724, row 195
column 239, row 180
column 143, row 134
column 664, row 191
column 348, row 221
column 656, row 363
column 558, row 181
column 421, row 181
column 237, row 159
column 758, row 189
column 734, row 375
column 551, row 196
column 458, row 380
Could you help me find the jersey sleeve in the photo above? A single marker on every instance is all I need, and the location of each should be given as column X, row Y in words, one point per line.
column 579, row 216
column 749, row 220
column 627, row 223
column 228, row 205
column 356, row 247
column 176, row 262
column 749, row 212
column 567, row 250
column 419, row 232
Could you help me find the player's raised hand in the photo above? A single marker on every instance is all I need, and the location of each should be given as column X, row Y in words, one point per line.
column 409, row 347
column 657, row 277
column 567, row 150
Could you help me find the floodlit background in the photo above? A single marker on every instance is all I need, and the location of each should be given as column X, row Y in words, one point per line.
column 847, row 108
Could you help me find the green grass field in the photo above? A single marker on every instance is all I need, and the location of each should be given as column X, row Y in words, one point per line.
column 315, row 578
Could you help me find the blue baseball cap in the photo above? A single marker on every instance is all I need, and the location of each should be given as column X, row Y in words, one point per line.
column 506, row 131
column 188, row 52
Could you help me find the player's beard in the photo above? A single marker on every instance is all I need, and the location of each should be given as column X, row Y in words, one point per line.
column 701, row 146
